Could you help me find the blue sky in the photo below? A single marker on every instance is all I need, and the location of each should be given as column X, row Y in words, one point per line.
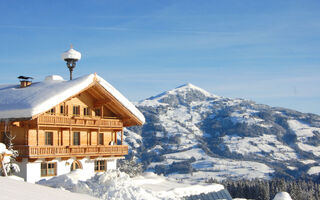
column 265, row 51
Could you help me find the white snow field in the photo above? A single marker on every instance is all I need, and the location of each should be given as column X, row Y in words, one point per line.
column 303, row 132
column 260, row 146
column 116, row 185
column 314, row 170
column 11, row 189
column 218, row 168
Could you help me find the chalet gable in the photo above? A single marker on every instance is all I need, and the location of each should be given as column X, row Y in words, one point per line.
column 30, row 102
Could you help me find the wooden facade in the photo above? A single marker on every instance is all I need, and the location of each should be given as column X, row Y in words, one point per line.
column 87, row 124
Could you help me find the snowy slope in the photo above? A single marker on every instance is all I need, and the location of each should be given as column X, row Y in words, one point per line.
column 18, row 190
column 192, row 134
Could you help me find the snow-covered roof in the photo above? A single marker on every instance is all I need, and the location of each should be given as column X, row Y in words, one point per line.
column 16, row 102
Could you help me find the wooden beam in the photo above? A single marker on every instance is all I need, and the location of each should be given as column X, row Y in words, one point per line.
column 38, row 133
column 70, row 137
column 32, row 159
column 101, row 102
column 121, row 137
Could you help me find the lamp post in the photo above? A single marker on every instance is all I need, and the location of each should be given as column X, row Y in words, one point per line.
column 71, row 57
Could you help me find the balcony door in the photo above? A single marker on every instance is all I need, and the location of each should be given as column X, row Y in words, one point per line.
column 76, row 138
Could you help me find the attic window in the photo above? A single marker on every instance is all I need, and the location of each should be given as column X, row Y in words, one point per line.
column 76, row 110
column 61, row 109
column 51, row 111
column 97, row 112
column 86, row 111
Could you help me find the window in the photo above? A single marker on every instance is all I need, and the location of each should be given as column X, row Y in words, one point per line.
column 76, row 138
column 48, row 169
column 51, row 111
column 48, row 138
column 100, row 142
column 75, row 165
column 99, row 166
column 61, row 109
column 76, row 110
column 98, row 112
column 86, row 111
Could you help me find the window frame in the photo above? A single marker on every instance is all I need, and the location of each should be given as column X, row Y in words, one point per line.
column 48, row 138
column 74, row 165
column 86, row 111
column 97, row 112
column 101, row 139
column 74, row 141
column 76, row 110
column 46, row 169
column 99, row 167
column 62, row 109
column 52, row 111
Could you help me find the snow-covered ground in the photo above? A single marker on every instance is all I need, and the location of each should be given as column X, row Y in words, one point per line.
column 11, row 189
column 314, row 170
column 217, row 168
column 260, row 146
column 116, row 185
column 304, row 132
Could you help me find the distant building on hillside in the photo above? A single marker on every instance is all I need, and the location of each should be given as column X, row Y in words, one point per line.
column 60, row 126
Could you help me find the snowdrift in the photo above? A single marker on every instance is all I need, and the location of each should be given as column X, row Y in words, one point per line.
column 118, row 185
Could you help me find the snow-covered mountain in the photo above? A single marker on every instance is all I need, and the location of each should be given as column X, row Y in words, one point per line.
column 192, row 134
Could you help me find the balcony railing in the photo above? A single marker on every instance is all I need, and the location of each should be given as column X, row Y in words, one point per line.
column 79, row 121
column 70, row 151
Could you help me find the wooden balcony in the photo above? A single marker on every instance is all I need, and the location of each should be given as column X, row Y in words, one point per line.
column 79, row 121
column 34, row 152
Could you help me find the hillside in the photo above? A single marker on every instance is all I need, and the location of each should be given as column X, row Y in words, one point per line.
column 192, row 134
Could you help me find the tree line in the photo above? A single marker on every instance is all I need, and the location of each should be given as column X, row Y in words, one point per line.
column 258, row 189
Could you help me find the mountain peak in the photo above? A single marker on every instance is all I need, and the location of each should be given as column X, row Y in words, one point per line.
column 189, row 87
column 184, row 93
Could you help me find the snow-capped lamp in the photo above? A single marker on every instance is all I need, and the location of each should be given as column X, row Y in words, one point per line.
column 71, row 57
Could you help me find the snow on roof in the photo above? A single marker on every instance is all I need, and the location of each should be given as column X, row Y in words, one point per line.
column 16, row 102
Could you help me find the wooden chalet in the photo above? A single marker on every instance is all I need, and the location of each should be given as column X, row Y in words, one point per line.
column 58, row 126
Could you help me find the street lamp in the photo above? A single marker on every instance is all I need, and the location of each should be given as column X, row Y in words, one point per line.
column 71, row 57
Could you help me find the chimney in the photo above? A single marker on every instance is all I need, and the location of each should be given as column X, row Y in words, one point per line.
column 25, row 81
